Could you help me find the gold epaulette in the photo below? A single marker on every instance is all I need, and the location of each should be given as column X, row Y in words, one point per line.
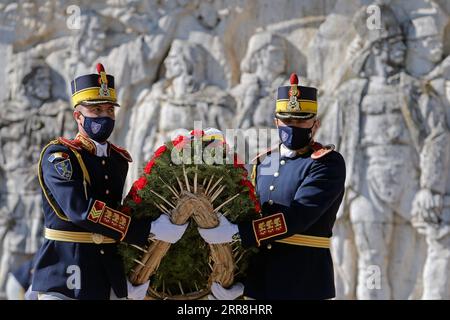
column 72, row 144
column 321, row 150
column 124, row 153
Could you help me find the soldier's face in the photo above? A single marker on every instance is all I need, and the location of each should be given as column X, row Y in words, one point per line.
column 95, row 111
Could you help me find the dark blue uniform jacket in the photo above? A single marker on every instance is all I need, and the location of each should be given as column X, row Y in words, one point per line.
column 84, row 270
column 308, row 193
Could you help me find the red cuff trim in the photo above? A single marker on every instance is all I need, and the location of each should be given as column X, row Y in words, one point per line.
column 96, row 211
column 269, row 227
column 113, row 219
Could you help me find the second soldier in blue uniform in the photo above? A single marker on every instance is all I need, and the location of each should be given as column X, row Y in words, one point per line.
column 300, row 185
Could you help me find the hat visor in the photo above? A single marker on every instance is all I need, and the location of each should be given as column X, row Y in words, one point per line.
column 94, row 102
column 287, row 115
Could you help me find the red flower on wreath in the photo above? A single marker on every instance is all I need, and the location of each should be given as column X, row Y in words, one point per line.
column 140, row 183
column 197, row 133
column 179, row 142
column 148, row 167
column 160, row 151
column 133, row 195
column 247, row 184
column 125, row 209
column 251, row 194
column 137, row 199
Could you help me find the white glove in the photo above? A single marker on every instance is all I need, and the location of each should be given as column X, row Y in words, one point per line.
column 137, row 292
column 163, row 229
column 223, row 233
column 30, row 294
column 220, row 293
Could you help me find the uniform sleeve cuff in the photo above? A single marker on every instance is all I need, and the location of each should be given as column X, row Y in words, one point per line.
column 138, row 231
column 247, row 235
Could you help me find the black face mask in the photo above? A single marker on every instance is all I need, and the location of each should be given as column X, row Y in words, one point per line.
column 295, row 138
column 98, row 129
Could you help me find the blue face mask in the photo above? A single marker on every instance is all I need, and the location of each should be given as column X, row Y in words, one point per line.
column 98, row 129
column 295, row 138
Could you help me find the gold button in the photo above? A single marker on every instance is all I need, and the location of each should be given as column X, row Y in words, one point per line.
column 282, row 162
column 107, row 191
column 276, row 174
column 271, row 188
column 97, row 238
column 106, row 177
column 103, row 162
column 102, row 252
column 271, row 202
column 269, row 246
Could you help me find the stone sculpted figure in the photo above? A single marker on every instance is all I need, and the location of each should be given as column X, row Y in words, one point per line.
column 29, row 119
column 175, row 102
column 379, row 139
column 263, row 71
column 431, row 206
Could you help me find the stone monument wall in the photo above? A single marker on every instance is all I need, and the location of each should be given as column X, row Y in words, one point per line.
column 383, row 73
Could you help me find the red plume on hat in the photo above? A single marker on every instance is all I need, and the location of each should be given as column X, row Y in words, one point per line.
column 101, row 71
column 293, row 79
column 100, row 68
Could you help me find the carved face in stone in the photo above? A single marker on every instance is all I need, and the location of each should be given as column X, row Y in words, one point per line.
column 38, row 83
column 46, row 11
column 273, row 59
column 266, row 52
column 207, row 15
column 391, row 51
column 175, row 65
column 425, row 38
column 396, row 50
column 96, row 36
column 92, row 40
column 185, row 59
column 429, row 48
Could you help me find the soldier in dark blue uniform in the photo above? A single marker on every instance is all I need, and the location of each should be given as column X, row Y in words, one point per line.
column 300, row 185
column 82, row 183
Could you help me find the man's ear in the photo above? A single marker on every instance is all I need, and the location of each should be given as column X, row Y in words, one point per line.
column 77, row 116
column 317, row 123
